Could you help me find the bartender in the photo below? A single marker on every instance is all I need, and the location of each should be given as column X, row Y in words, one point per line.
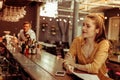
column 26, row 31
column 25, row 35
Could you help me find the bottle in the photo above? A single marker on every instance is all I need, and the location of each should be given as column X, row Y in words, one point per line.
column 34, row 50
column 23, row 46
column 38, row 49
column 26, row 52
column 33, row 47
column 30, row 49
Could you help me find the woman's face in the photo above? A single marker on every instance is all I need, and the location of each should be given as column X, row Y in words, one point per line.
column 89, row 28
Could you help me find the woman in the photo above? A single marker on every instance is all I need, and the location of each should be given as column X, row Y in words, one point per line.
column 90, row 51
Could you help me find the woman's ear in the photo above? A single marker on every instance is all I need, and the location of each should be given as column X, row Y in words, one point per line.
column 97, row 31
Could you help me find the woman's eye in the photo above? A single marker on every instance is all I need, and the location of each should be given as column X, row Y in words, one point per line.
column 83, row 24
column 88, row 26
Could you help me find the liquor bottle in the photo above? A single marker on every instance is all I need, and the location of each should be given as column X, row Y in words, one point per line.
column 38, row 49
column 30, row 49
column 23, row 46
column 33, row 47
column 26, row 52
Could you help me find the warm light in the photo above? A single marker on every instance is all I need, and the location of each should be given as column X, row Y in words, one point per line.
column 65, row 20
column 57, row 20
column 70, row 22
column 69, row 16
column 1, row 4
column 105, row 17
column 43, row 18
column 60, row 19
column 50, row 19
column 81, row 18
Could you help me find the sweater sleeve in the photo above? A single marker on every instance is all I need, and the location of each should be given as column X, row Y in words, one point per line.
column 100, row 57
column 73, row 47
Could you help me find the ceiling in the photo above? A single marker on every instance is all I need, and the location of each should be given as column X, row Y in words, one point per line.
column 65, row 7
column 98, row 5
column 87, row 6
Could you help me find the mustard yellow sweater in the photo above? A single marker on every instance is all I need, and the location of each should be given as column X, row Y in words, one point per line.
column 95, row 63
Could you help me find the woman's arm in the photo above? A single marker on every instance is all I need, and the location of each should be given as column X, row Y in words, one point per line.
column 70, row 56
column 99, row 59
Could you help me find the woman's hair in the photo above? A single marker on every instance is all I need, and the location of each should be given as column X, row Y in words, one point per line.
column 27, row 22
column 99, row 23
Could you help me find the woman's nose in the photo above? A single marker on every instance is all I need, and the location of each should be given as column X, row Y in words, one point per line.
column 83, row 27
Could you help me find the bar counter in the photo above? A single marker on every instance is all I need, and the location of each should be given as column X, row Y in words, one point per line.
column 41, row 66
column 35, row 71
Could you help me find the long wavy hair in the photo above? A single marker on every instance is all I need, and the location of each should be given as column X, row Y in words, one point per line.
column 99, row 23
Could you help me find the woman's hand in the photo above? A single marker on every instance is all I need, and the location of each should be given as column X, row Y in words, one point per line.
column 70, row 61
column 69, row 68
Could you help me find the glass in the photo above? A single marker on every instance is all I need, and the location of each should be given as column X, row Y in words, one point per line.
column 12, row 13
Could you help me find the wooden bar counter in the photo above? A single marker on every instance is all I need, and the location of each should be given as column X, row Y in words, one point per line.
column 41, row 66
column 35, row 71
column 51, row 64
column 44, row 65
